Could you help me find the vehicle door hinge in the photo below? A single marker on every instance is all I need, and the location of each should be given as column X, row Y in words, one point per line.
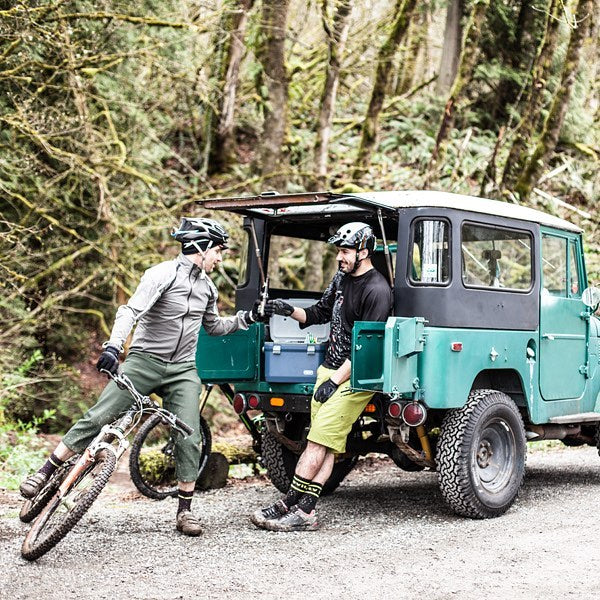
column 585, row 370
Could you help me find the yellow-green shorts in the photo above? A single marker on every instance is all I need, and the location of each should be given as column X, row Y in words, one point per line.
column 331, row 421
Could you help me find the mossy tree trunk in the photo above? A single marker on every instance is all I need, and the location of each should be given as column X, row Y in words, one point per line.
column 403, row 10
column 415, row 39
column 519, row 53
column 451, row 47
column 541, row 71
column 337, row 34
column 271, row 53
column 314, row 265
column 547, row 141
column 458, row 94
column 229, row 53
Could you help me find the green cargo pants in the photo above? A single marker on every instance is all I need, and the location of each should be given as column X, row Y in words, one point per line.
column 177, row 384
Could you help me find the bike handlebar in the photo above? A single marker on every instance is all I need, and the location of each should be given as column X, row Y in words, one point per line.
column 126, row 384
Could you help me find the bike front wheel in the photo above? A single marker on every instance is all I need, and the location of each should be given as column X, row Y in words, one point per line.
column 33, row 507
column 152, row 458
column 63, row 511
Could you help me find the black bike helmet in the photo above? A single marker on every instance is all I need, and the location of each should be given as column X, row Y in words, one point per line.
column 354, row 235
column 199, row 234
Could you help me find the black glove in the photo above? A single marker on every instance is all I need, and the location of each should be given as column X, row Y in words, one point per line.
column 254, row 315
column 325, row 391
column 279, row 307
column 109, row 360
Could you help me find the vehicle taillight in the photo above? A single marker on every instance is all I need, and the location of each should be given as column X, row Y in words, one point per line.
column 253, row 401
column 239, row 403
column 395, row 409
column 414, row 414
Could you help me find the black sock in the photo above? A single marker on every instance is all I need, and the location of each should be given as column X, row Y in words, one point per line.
column 298, row 487
column 309, row 499
column 185, row 501
column 51, row 465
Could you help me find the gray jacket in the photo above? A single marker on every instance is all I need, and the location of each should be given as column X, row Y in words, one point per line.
column 173, row 300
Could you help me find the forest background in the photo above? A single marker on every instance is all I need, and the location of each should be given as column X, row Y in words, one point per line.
column 117, row 118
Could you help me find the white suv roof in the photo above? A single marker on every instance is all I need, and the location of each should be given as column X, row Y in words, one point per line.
column 412, row 199
column 272, row 205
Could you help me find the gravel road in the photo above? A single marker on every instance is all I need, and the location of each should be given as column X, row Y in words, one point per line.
column 385, row 534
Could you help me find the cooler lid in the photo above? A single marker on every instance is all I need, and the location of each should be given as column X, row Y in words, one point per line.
column 287, row 330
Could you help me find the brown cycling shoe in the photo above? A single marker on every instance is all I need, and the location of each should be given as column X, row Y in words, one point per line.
column 188, row 523
column 33, row 484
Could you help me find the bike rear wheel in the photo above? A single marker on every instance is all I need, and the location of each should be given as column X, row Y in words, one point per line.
column 152, row 457
column 32, row 507
column 62, row 513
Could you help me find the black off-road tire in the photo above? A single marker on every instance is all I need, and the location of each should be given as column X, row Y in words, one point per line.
column 168, row 486
column 341, row 469
column 44, row 534
column 481, row 455
column 33, row 507
column 572, row 442
column 281, row 462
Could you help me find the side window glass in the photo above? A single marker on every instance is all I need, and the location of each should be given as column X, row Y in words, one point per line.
column 574, row 287
column 430, row 252
column 498, row 258
column 554, row 265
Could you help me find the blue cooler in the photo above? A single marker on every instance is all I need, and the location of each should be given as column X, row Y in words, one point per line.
column 293, row 363
column 294, row 354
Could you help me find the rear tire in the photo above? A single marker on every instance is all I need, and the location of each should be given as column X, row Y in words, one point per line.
column 154, row 444
column 281, row 462
column 481, row 455
column 61, row 514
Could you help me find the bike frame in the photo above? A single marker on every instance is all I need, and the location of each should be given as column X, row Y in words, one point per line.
column 113, row 436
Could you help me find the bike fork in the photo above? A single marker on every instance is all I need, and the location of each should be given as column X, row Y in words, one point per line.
column 84, row 460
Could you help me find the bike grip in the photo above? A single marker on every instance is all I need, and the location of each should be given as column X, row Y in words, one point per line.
column 183, row 426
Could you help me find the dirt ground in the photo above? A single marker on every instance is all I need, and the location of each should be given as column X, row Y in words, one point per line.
column 385, row 534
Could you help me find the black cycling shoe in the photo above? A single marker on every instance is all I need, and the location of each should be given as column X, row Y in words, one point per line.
column 33, row 484
column 270, row 513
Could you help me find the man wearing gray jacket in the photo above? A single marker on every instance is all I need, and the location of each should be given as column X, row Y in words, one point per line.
column 173, row 300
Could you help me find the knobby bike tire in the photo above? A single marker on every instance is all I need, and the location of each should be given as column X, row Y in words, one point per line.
column 44, row 535
column 33, row 507
column 158, row 490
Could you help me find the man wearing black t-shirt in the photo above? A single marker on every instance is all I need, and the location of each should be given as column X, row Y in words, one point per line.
column 358, row 292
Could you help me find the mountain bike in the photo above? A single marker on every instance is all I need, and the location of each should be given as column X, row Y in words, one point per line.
column 152, row 460
column 74, row 486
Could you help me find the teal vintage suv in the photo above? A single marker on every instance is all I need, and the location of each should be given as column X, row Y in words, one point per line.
column 492, row 342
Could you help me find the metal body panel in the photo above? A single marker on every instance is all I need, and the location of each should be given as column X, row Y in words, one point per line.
column 564, row 324
column 227, row 358
column 447, row 376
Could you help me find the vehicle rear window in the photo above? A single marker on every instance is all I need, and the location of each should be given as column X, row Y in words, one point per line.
column 430, row 259
column 496, row 258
